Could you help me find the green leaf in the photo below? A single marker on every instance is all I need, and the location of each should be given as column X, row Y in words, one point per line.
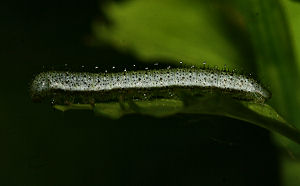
column 111, row 110
column 73, row 107
column 258, row 114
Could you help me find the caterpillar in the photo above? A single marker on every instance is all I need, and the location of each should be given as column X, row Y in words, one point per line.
column 64, row 87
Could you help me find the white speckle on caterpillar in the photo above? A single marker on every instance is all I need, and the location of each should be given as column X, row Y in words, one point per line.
column 50, row 84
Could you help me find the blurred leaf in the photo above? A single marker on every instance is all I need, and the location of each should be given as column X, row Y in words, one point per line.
column 290, row 170
column 275, row 57
column 172, row 30
column 293, row 14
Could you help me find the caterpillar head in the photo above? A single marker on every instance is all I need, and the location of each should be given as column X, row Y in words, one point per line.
column 39, row 87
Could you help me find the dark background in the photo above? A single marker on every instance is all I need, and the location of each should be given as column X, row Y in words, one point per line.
column 42, row 146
